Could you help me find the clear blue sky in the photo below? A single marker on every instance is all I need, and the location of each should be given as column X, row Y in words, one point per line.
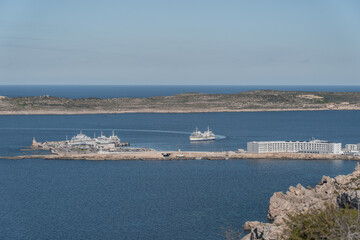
column 180, row 42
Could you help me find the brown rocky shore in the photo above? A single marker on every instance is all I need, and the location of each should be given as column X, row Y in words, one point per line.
column 340, row 191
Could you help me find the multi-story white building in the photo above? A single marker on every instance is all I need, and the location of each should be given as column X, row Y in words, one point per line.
column 352, row 149
column 313, row 146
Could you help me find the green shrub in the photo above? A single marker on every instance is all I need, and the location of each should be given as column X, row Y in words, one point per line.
column 329, row 223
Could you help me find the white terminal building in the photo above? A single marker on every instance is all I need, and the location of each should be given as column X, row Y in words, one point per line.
column 352, row 149
column 313, row 146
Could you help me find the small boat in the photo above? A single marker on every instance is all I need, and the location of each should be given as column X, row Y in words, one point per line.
column 202, row 136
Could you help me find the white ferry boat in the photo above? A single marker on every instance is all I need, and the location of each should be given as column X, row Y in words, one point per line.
column 202, row 136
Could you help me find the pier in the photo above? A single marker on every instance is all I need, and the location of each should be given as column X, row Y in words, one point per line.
column 82, row 147
column 188, row 155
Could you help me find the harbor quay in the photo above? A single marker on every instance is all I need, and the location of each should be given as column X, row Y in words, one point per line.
column 82, row 147
column 82, row 144
column 187, row 155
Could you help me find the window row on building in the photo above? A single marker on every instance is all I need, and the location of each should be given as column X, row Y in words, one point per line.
column 313, row 146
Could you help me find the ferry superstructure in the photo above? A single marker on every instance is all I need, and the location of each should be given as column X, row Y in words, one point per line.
column 99, row 142
column 202, row 136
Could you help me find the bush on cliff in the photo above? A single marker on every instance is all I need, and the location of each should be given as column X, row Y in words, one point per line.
column 329, row 223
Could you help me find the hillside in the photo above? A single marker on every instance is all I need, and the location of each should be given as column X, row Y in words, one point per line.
column 264, row 100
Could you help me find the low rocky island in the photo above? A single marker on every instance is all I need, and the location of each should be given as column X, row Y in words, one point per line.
column 341, row 192
column 262, row 100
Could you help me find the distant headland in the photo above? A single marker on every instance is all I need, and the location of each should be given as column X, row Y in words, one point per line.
column 252, row 101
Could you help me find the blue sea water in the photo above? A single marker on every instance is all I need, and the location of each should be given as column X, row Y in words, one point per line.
column 194, row 199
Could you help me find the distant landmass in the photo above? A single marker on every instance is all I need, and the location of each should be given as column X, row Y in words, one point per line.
column 261, row 100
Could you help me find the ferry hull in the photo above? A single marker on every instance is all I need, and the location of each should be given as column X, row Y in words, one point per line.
column 202, row 139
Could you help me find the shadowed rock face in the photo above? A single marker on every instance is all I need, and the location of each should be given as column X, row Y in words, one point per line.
column 341, row 190
column 265, row 100
column 349, row 199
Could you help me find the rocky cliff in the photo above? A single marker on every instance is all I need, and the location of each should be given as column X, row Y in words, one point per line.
column 341, row 191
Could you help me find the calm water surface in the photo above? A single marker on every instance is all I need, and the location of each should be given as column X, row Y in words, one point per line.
column 144, row 200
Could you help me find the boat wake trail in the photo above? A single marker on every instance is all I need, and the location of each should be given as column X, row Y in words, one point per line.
column 99, row 129
column 154, row 131
column 219, row 137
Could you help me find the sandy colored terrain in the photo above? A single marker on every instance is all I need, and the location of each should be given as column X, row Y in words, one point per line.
column 310, row 96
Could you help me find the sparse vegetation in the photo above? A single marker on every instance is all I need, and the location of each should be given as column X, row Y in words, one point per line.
column 191, row 102
column 330, row 223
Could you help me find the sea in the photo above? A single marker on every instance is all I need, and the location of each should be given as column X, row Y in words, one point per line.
column 182, row 199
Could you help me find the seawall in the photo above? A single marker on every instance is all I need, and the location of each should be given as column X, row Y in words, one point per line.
column 175, row 155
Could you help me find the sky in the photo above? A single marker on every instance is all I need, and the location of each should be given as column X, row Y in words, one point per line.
column 235, row 42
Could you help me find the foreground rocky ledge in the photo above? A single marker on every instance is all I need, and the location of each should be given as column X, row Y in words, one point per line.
column 341, row 191
column 264, row 100
column 176, row 155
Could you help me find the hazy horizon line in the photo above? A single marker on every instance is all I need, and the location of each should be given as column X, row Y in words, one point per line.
column 179, row 84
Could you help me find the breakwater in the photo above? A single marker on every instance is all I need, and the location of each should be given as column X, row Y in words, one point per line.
column 188, row 155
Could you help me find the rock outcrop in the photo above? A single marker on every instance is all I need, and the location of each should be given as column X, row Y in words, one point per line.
column 341, row 190
column 349, row 199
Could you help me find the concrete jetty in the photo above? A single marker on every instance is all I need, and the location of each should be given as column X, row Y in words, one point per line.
column 188, row 155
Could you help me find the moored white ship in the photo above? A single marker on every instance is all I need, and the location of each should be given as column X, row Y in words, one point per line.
column 202, row 136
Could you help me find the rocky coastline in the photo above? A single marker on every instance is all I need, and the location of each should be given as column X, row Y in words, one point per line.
column 341, row 191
